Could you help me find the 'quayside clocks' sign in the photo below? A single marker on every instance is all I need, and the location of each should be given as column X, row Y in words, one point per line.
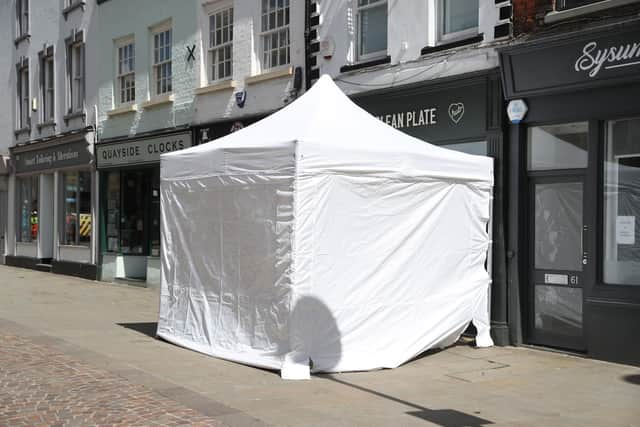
column 432, row 115
column 143, row 150
column 564, row 64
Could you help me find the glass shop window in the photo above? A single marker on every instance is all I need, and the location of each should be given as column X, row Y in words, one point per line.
column 112, row 220
column 28, row 205
column 77, row 208
column 561, row 146
column 132, row 212
column 155, row 213
column 621, row 262
column 132, row 227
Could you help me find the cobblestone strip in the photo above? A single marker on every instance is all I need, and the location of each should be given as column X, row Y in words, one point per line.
column 42, row 387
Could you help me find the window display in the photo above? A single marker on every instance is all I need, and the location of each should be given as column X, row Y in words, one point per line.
column 622, row 203
column 28, row 218
column 77, row 208
column 132, row 212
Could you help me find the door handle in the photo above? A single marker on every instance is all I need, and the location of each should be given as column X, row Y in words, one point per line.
column 585, row 255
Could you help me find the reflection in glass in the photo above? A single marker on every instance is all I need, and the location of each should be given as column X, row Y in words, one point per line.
column 621, row 263
column 562, row 146
column 459, row 15
column 28, row 209
column 77, row 208
column 478, row 148
column 558, row 310
column 558, row 226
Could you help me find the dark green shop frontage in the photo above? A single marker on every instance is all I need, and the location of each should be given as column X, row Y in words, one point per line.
column 129, row 174
column 464, row 113
column 574, row 187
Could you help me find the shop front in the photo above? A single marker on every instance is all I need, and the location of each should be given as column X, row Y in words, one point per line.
column 52, row 206
column 210, row 131
column 4, row 203
column 574, row 186
column 129, row 173
column 462, row 113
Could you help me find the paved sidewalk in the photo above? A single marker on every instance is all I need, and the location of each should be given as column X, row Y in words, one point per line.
column 39, row 386
column 110, row 328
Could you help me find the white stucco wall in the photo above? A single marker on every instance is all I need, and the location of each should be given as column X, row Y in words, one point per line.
column 120, row 18
column 7, row 70
column 48, row 26
column 263, row 96
column 412, row 25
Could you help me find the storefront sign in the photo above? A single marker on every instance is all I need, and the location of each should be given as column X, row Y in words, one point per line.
column 432, row 115
column 138, row 151
column 56, row 157
column 591, row 59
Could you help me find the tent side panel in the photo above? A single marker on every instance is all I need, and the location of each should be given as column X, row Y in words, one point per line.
column 392, row 267
column 226, row 265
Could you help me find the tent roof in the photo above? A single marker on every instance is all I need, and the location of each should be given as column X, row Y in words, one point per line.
column 329, row 124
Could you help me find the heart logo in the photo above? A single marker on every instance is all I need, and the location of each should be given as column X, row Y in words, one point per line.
column 456, row 111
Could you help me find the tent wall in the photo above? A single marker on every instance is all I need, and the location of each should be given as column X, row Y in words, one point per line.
column 386, row 268
column 226, row 279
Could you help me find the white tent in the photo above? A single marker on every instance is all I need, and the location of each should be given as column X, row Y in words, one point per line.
column 321, row 236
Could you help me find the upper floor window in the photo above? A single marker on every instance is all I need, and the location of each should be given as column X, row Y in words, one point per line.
column 570, row 4
column 458, row 18
column 275, row 33
column 75, row 74
column 22, row 15
column 162, row 74
column 126, row 74
column 220, row 44
column 372, row 28
column 23, row 97
column 47, row 87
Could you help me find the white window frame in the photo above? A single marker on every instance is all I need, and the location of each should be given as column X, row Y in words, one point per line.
column 213, row 48
column 22, row 17
column 76, row 75
column 128, row 75
column 157, row 65
column 265, row 61
column 359, row 9
column 23, row 111
column 48, row 91
column 458, row 35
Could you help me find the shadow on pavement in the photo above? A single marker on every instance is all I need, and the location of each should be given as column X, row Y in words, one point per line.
column 146, row 328
column 633, row 379
column 441, row 417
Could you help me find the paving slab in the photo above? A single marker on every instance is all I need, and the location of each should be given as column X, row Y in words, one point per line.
column 111, row 327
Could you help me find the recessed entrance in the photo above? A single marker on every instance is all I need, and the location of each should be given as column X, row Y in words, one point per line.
column 557, row 161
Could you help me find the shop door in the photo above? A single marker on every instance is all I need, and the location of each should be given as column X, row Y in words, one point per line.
column 558, row 260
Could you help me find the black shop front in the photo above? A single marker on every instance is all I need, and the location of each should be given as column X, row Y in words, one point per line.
column 574, row 190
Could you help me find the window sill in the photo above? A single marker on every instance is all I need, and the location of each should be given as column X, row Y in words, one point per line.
column 131, row 108
column 21, row 38
column 22, row 131
column 452, row 44
column 270, row 75
column 360, row 65
column 158, row 100
column 46, row 125
column 76, row 115
column 67, row 10
column 215, row 87
column 560, row 15
column 61, row 245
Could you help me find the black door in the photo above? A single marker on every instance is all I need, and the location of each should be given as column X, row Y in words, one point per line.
column 558, row 260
